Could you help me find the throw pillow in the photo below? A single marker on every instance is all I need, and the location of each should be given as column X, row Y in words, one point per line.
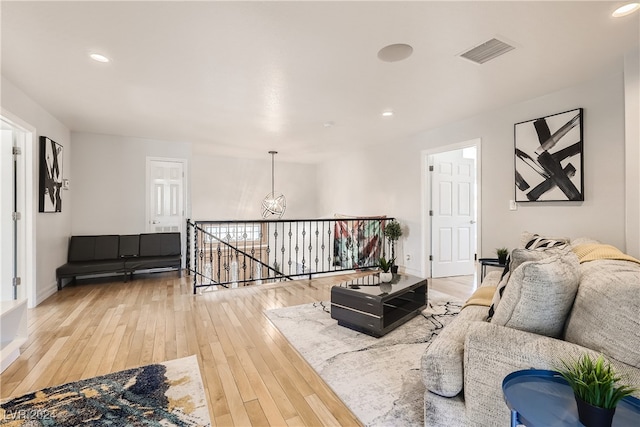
column 517, row 257
column 536, row 241
column 540, row 295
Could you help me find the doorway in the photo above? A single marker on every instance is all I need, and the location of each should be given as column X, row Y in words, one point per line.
column 165, row 195
column 17, row 234
column 17, row 219
column 452, row 215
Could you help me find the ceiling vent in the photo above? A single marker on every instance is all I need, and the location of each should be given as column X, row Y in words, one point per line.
column 487, row 51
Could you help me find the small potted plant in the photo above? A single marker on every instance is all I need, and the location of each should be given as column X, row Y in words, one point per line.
column 502, row 255
column 393, row 231
column 385, row 266
column 596, row 388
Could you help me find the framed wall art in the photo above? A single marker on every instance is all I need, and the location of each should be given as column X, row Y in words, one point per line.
column 549, row 158
column 50, row 176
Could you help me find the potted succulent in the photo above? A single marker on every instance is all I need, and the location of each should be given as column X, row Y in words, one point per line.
column 502, row 255
column 596, row 388
column 385, row 266
column 393, row 231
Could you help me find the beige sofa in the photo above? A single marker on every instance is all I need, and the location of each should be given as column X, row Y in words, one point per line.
column 553, row 308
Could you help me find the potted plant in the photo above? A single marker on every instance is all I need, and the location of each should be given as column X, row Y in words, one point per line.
column 393, row 231
column 385, row 266
column 502, row 255
column 596, row 388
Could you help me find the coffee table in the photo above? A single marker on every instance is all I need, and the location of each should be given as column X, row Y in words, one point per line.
column 374, row 308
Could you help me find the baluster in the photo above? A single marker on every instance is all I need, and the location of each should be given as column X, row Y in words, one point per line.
column 316, row 258
column 332, row 246
column 282, row 249
column 290, row 262
column 304, row 235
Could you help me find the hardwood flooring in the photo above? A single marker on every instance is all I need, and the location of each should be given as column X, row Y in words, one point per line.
column 251, row 375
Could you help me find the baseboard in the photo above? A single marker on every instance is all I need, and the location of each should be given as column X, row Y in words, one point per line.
column 46, row 293
column 412, row 271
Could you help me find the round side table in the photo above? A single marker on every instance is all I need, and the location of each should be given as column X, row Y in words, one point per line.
column 542, row 398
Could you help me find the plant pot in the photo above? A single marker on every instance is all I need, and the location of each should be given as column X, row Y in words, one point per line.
column 502, row 259
column 386, row 277
column 594, row 416
column 394, row 269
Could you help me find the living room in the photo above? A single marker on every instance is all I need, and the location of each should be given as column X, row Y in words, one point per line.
column 381, row 178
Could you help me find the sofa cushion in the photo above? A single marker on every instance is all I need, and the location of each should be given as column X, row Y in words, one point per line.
column 442, row 368
column 93, row 248
column 539, row 295
column 160, row 244
column 605, row 316
column 84, row 268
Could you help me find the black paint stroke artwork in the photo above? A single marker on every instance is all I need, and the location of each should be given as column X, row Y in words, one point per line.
column 548, row 158
column 50, row 175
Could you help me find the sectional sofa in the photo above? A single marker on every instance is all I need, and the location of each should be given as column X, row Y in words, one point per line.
column 553, row 304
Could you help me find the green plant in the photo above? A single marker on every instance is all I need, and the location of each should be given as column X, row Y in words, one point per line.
column 385, row 265
column 393, row 231
column 595, row 382
column 502, row 254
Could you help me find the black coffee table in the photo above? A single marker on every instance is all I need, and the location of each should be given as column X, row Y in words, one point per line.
column 374, row 308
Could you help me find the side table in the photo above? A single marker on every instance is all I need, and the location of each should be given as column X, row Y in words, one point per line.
column 542, row 398
column 491, row 262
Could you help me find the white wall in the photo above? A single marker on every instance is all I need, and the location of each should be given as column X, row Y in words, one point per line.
column 632, row 153
column 227, row 188
column 390, row 180
column 52, row 229
column 110, row 178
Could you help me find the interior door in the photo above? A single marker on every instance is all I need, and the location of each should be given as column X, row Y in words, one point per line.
column 165, row 187
column 453, row 214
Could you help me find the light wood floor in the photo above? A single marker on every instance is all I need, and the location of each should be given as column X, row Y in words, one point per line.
column 251, row 375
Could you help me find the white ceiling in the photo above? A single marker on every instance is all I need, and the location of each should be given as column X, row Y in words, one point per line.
column 248, row 77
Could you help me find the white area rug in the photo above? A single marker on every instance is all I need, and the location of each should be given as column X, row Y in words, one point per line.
column 377, row 378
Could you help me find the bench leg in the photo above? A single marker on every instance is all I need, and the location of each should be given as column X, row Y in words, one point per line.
column 59, row 283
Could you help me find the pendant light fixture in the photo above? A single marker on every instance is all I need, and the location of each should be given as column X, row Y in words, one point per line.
column 274, row 204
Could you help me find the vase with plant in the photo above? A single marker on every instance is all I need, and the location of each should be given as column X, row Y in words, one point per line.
column 596, row 387
column 393, row 231
column 502, row 255
column 385, row 265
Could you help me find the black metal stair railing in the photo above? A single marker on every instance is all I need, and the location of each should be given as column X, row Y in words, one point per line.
column 242, row 253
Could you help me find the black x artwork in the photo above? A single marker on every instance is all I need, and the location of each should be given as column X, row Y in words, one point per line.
column 548, row 158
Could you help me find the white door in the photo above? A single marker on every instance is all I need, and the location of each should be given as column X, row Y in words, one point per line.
column 165, row 188
column 453, row 214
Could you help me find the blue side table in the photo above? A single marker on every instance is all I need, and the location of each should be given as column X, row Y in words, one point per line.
column 541, row 398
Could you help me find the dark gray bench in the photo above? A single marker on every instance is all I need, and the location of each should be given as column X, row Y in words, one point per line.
column 120, row 254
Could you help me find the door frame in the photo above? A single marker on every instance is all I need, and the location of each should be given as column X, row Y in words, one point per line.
column 185, row 196
column 426, row 197
column 27, row 230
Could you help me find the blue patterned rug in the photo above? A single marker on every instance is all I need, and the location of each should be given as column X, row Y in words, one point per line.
column 165, row 394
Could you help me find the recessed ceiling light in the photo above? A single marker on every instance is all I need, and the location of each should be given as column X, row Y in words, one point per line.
column 98, row 57
column 387, row 113
column 395, row 52
column 329, row 124
column 625, row 10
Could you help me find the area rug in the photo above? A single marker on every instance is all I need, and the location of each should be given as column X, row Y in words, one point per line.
column 164, row 394
column 377, row 378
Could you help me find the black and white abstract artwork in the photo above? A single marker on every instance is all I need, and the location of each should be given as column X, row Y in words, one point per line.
column 50, row 175
column 549, row 158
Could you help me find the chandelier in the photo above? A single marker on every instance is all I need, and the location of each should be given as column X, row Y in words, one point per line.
column 274, row 204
